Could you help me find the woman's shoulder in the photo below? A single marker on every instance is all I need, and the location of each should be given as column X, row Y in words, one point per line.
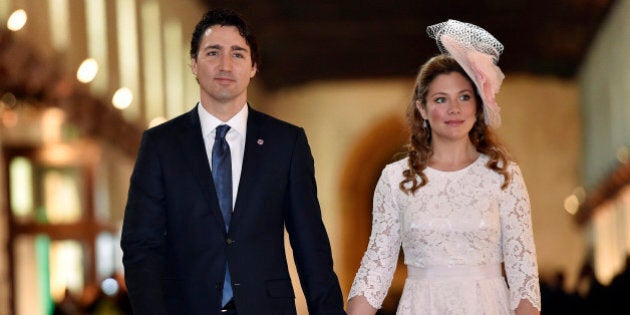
column 512, row 168
column 393, row 171
column 511, row 164
column 397, row 165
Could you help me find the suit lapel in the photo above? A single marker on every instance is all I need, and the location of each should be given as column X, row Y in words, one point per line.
column 193, row 148
column 253, row 144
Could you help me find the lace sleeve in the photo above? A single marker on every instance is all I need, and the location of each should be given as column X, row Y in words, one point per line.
column 379, row 261
column 519, row 251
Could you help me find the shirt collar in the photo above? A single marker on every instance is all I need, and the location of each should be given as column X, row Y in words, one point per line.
column 237, row 123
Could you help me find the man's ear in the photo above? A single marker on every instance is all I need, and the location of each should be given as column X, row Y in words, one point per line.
column 254, row 71
column 193, row 66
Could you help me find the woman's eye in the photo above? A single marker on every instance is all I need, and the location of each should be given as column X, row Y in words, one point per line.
column 465, row 97
column 440, row 100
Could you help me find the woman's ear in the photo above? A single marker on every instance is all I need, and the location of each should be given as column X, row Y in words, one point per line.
column 421, row 109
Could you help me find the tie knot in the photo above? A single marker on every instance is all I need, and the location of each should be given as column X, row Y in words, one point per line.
column 222, row 131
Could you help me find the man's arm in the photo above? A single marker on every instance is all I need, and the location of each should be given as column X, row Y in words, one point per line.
column 144, row 232
column 309, row 240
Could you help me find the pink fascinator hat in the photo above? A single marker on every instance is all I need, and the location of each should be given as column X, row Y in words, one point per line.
column 477, row 51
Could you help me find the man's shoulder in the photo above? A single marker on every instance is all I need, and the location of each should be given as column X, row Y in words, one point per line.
column 182, row 121
column 267, row 120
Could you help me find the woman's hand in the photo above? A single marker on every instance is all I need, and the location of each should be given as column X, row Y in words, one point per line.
column 526, row 308
column 359, row 305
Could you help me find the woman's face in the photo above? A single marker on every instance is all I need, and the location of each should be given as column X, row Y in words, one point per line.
column 450, row 107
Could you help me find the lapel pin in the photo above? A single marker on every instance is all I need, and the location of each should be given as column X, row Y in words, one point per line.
column 260, row 141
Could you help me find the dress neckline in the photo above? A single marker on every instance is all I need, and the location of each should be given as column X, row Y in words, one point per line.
column 461, row 170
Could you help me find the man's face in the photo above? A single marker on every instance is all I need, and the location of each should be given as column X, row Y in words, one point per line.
column 223, row 65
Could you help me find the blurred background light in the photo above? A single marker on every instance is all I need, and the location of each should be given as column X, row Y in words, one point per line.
column 122, row 98
column 87, row 70
column 17, row 20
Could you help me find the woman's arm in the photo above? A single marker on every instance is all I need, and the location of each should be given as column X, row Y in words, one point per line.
column 379, row 261
column 519, row 250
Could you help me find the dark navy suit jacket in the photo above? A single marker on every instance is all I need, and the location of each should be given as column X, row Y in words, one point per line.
column 175, row 246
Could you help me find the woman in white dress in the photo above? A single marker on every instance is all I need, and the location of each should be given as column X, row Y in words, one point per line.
column 457, row 204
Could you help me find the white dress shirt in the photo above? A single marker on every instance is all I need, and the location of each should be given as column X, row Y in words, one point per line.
column 235, row 138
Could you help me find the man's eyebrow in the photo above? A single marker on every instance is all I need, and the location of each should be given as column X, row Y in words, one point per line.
column 217, row 46
column 233, row 47
column 236, row 47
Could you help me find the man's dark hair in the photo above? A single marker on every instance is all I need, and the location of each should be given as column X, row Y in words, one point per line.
column 225, row 17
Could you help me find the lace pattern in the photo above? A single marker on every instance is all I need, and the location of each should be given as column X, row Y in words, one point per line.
column 379, row 261
column 460, row 218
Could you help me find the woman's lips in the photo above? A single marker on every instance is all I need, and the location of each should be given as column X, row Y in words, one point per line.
column 454, row 122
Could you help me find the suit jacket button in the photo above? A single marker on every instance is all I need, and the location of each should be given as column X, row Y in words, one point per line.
column 230, row 241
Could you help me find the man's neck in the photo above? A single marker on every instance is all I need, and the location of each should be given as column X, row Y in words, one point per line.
column 224, row 111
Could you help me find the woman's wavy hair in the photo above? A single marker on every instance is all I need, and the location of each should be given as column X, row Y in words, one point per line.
column 419, row 149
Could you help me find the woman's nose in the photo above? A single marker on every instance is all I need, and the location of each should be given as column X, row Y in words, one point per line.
column 454, row 107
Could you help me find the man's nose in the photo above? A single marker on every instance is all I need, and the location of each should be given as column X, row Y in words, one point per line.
column 226, row 62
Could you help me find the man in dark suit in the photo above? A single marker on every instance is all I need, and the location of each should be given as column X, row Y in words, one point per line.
column 183, row 252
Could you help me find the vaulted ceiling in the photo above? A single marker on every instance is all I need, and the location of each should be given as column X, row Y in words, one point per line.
column 336, row 39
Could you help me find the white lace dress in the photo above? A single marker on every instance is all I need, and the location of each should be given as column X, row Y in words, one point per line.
column 455, row 232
